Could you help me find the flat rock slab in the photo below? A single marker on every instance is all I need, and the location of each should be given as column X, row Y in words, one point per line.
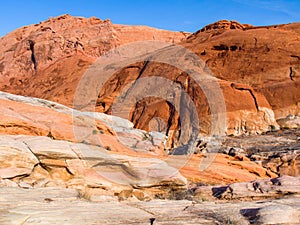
column 64, row 206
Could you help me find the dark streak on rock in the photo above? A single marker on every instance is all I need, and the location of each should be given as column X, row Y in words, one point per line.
column 33, row 58
column 291, row 74
column 250, row 91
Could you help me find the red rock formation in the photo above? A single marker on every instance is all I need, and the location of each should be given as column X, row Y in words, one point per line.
column 24, row 117
column 266, row 58
column 254, row 66
column 46, row 60
column 257, row 68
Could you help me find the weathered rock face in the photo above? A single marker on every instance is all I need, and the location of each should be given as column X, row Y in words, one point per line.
column 277, row 151
column 68, row 206
column 58, row 124
column 47, row 60
column 246, row 110
column 21, row 115
column 254, row 67
column 254, row 64
column 266, row 58
column 43, row 162
column 284, row 188
column 259, row 189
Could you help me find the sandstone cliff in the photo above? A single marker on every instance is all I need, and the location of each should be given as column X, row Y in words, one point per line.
column 257, row 69
column 46, row 60
column 63, row 165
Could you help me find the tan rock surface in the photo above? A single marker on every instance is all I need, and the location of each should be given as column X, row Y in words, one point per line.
column 41, row 161
column 16, row 159
column 57, row 206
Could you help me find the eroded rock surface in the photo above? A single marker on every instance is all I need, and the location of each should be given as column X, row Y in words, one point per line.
column 37, row 117
column 54, row 169
column 277, row 151
column 47, row 60
column 32, row 116
column 57, row 205
column 43, row 162
column 254, row 67
column 259, row 189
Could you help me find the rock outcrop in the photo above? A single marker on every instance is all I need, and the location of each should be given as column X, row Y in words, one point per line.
column 277, row 151
column 43, row 162
column 51, row 134
column 254, row 67
column 259, row 189
column 58, row 205
column 213, row 106
column 225, row 24
column 266, row 58
column 37, row 117
column 59, row 164
column 47, row 60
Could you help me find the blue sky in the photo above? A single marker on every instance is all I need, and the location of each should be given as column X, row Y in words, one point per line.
column 181, row 15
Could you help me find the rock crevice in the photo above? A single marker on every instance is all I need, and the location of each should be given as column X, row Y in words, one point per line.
column 250, row 92
column 33, row 57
